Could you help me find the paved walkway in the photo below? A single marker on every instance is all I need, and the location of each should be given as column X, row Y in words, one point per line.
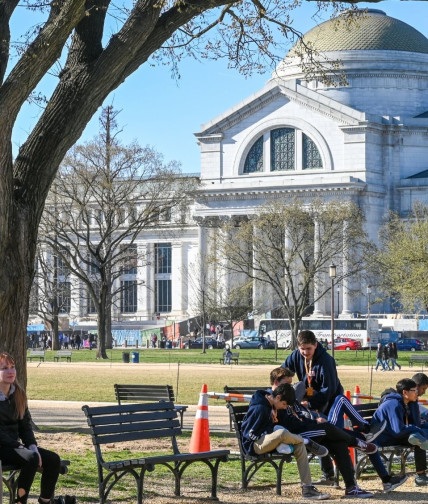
column 69, row 415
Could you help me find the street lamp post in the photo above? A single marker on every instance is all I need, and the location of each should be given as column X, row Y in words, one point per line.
column 332, row 274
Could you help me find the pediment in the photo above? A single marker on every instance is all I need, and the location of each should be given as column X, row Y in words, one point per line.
column 290, row 91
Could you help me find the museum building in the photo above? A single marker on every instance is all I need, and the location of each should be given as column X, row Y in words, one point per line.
column 365, row 141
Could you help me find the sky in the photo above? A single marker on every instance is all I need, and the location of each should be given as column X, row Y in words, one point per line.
column 158, row 111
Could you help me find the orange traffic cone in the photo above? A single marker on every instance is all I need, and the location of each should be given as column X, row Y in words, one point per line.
column 200, row 440
column 357, row 393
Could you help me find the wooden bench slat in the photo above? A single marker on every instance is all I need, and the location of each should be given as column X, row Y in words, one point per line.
column 134, row 436
column 133, row 417
column 137, row 427
column 95, row 411
column 148, row 393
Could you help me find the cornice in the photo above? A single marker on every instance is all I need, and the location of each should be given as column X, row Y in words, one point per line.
column 241, row 195
column 382, row 75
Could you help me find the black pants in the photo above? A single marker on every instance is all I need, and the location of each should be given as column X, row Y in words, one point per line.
column 337, row 442
column 28, row 461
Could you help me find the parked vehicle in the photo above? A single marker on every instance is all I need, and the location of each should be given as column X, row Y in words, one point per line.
column 253, row 342
column 411, row 344
column 210, row 343
column 346, row 344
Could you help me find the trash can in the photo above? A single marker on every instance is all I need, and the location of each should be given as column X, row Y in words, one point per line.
column 125, row 356
column 135, row 357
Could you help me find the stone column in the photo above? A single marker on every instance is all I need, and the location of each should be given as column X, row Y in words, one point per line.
column 177, row 279
column 346, row 300
column 318, row 281
column 142, row 291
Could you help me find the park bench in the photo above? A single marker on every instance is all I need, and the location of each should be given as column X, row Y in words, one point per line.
column 388, row 453
column 250, row 464
column 234, row 358
column 63, row 354
column 238, row 390
column 148, row 393
column 128, row 423
column 36, row 354
column 422, row 358
column 10, row 475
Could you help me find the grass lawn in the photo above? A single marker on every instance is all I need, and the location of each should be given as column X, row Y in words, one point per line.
column 193, row 356
column 93, row 380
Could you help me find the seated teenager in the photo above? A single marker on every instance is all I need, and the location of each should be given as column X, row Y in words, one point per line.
column 400, row 410
column 17, row 441
column 260, row 436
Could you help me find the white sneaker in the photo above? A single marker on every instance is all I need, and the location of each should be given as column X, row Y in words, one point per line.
column 285, row 449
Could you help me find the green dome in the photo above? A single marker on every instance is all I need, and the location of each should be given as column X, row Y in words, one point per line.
column 372, row 30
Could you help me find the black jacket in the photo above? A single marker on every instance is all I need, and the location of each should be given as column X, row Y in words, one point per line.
column 13, row 429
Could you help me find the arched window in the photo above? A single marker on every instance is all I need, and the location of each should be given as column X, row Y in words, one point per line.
column 254, row 160
column 311, row 155
column 283, row 149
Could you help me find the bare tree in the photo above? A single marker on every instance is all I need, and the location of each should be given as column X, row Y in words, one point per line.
column 105, row 195
column 233, row 306
column 285, row 249
column 54, row 291
column 91, row 67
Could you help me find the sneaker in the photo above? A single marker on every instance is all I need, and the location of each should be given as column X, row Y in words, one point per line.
column 285, row 449
column 316, row 449
column 355, row 492
column 394, row 482
column 418, row 440
column 310, row 492
column 364, row 447
column 376, row 430
column 421, row 480
column 324, row 481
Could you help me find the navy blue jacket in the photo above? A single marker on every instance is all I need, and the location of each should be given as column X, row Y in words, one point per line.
column 394, row 411
column 325, row 382
column 257, row 422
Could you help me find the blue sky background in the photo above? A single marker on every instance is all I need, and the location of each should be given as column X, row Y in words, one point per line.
column 158, row 111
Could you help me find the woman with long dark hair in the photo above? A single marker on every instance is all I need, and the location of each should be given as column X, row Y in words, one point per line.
column 18, row 445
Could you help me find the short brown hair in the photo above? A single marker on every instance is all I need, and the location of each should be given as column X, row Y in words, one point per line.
column 306, row 338
column 279, row 373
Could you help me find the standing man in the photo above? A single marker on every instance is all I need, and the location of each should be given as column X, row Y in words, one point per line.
column 317, row 370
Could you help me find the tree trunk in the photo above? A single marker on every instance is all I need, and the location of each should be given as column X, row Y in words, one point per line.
column 102, row 318
column 17, row 250
column 55, row 330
